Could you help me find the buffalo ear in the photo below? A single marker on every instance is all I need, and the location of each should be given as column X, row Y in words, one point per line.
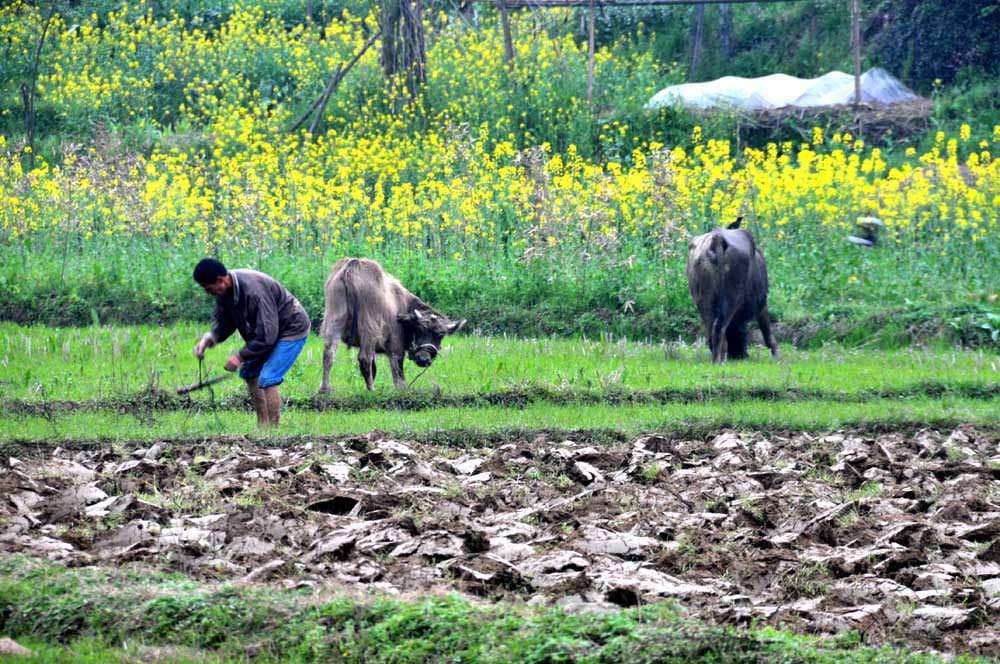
column 735, row 224
column 455, row 327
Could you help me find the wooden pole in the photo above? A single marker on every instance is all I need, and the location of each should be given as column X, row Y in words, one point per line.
column 856, row 38
column 508, row 42
column 590, row 58
column 325, row 97
column 338, row 74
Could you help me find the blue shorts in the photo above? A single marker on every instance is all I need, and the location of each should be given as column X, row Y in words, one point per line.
column 273, row 369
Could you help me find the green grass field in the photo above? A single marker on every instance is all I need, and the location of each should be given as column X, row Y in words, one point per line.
column 116, row 383
column 103, row 363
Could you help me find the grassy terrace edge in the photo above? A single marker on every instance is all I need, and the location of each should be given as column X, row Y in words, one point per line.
column 488, row 426
column 234, row 621
column 515, row 398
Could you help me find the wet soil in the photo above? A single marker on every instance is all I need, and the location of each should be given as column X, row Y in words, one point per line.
column 894, row 535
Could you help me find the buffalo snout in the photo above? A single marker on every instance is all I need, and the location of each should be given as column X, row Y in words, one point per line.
column 422, row 358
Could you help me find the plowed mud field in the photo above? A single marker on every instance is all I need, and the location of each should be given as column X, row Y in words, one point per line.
column 896, row 536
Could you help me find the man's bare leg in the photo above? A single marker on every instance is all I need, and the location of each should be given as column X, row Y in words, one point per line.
column 259, row 401
column 273, row 400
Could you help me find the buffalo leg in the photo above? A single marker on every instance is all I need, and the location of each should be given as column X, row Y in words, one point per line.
column 764, row 321
column 330, row 341
column 706, row 322
column 724, row 316
column 736, row 340
column 366, row 362
column 396, row 365
column 718, row 340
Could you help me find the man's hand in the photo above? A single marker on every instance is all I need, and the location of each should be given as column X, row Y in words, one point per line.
column 233, row 363
column 207, row 341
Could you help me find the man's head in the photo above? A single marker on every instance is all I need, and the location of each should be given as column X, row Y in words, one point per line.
column 213, row 276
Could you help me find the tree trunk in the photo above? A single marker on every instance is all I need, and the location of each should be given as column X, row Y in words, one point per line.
column 699, row 31
column 29, row 88
column 726, row 29
column 508, row 40
column 403, row 50
column 590, row 53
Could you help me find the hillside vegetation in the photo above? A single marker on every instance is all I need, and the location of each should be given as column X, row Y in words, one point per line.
column 162, row 134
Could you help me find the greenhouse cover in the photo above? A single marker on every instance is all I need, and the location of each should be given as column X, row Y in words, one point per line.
column 780, row 90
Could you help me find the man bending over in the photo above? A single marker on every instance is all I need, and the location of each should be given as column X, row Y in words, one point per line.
column 271, row 321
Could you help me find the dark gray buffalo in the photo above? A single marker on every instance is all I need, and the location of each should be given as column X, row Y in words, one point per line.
column 367, row 308
column 727, row 278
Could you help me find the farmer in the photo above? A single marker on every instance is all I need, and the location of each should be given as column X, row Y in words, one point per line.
column 271, row 321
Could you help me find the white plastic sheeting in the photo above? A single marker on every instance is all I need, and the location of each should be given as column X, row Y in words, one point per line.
column 777, row 90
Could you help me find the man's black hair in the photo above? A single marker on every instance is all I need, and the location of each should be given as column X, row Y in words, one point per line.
column 208, row 270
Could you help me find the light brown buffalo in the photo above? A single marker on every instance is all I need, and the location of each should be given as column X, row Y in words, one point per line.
column 367, row 308
column 727, row 277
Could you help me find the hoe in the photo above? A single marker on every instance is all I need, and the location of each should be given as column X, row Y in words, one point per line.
column 201, row 384
column 202, row 381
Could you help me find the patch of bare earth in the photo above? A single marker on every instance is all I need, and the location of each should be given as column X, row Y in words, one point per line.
column 896, row 536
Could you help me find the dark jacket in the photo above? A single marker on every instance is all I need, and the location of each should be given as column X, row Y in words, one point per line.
column 262, row 310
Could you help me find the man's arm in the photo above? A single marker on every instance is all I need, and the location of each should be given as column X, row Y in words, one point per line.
column 222, row 328
column 223, row 325
column 265, row 331
column 207, row 341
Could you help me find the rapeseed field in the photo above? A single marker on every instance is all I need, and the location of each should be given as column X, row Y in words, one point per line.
column 185, row 149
